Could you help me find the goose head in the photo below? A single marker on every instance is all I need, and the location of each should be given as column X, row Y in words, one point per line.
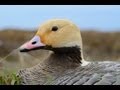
column 55, row 33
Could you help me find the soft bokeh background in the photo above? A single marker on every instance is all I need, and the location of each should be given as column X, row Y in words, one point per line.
column 99, row 24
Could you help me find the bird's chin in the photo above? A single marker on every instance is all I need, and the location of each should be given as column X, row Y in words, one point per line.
column 28, row 50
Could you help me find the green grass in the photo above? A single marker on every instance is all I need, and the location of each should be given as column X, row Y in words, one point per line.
column 9, row 78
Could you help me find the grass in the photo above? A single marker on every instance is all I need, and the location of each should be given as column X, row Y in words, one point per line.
column 9, row 76
column 9, row 79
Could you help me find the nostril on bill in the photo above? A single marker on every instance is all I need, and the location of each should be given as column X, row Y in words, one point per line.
column 34, row 42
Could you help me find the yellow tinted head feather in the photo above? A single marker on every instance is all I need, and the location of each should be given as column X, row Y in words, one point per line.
column 67, row 35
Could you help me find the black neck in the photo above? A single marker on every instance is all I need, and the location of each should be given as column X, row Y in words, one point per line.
column 71, row 53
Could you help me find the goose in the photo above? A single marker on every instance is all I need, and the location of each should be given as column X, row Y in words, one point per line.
column 66, row 64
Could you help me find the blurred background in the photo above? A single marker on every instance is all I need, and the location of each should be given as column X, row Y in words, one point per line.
column 99, row 25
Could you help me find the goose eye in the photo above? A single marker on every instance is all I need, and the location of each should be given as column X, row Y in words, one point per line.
column 54, row 28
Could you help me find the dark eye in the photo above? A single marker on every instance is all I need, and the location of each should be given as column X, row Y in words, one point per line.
column 54, row 28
